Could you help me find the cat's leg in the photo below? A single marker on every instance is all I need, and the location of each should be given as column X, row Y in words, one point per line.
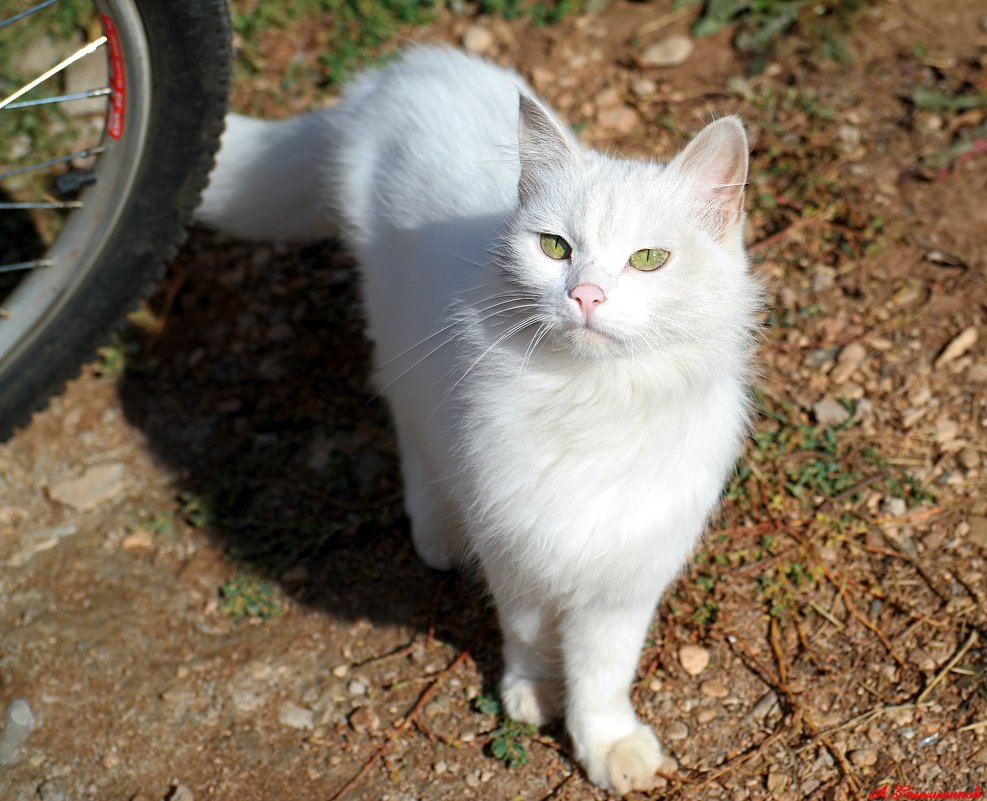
column 601, row 645
column 435, row 528
column 531, row 687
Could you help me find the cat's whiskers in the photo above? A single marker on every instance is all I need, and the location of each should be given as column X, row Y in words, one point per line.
column 538, row 318
column 538, row 336
column 458, row 322
column 454, row 323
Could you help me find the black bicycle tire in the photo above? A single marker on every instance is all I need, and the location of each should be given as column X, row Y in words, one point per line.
column 189, row 45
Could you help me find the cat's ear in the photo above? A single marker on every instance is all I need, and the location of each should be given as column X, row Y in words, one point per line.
column 714, row 164
column 544, row 146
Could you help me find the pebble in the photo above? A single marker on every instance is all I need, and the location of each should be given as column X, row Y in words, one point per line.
column 472, row 779
column 295, row 717
column 96, row 486
column 80, row 76
column 957, row 346
column 978, row 531
column 946, row 430
column 864, row 757
column 714, row 688
column 969, row 458
column 53, row 790
column 356, row 687
column 478, row 40
column 829, row 412
column 141, row 539
column 677, row 730
column 850, row 358
column 181, row 793
column 619, row 119
column 694, row 659
column 977, row 374
column 706, row 715
column 896, row 507
column 365, row 719
column 440, row 767
column 765, row 704
column 668, row 52
column 643, row 87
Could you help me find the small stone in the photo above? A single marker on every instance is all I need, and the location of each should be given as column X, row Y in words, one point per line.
column 829, row 412
column 969, row 458
column 978, row 532
column 620, row 119
column 478, row 40
column 356, row 687
column 923, row 660
column 677, row 730
column 694, row 659
column 472, row 779
column 957, row 346
column 542, row 78
column 911, row 416
column 714, row 688
column 669, row 764
column 141, row 539
column 608, row 98
column 440, row 767
column 896, row 507
column 340, row 671
column 777, row 782
column 54, row 790
column 864, row 757
column 668, row 52
column 706, row 715
column 643, row 87
column 764, row 705
column 946, row 430
column 96, row 486
column 110, row 761
column 977, row 374
column 364, row 719
column 181, row 793
column 849, row 360
column 295, row 717
column 80, row 76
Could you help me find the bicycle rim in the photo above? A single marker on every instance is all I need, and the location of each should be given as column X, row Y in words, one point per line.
column 46, row 284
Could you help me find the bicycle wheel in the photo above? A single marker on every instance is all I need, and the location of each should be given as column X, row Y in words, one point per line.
column 93, row 203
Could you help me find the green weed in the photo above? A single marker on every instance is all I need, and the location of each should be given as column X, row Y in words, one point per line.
column 245, row 596
column 509, row 742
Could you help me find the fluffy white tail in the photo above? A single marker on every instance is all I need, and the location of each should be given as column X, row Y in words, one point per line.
column 270, row 181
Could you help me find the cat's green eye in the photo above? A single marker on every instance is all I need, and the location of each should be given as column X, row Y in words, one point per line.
column 555, row 247
column 649, row 259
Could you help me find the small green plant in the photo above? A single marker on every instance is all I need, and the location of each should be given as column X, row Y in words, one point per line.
column 509, row 742
column 196, row 510
column 246, row 596
column 486, row 704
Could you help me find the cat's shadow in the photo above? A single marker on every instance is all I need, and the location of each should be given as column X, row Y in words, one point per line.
column 249, row 380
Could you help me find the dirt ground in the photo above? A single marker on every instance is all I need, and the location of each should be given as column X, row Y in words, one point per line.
column 206, row 585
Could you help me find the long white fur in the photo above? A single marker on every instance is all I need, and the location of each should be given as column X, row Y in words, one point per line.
column 578, row 467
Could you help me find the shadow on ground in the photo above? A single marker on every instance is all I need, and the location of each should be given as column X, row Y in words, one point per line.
column 248, row 376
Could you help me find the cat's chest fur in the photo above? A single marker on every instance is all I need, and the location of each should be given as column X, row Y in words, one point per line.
column 599, row 469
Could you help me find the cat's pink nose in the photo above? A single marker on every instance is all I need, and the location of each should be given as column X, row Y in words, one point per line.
column 588, row 296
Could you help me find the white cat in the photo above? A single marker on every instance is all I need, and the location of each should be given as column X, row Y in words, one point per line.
column 563, row 338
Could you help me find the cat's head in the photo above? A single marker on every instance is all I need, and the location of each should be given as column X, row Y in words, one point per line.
column 625, row 256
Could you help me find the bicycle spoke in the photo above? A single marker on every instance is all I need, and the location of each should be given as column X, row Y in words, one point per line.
column 67, row 204
column 80, row 53
column 24, row 265
column 27, row 13
column 41, row 165
column 105, row 90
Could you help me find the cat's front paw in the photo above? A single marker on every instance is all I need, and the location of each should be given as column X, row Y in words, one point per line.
column 626, row 764
column 530, row 701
